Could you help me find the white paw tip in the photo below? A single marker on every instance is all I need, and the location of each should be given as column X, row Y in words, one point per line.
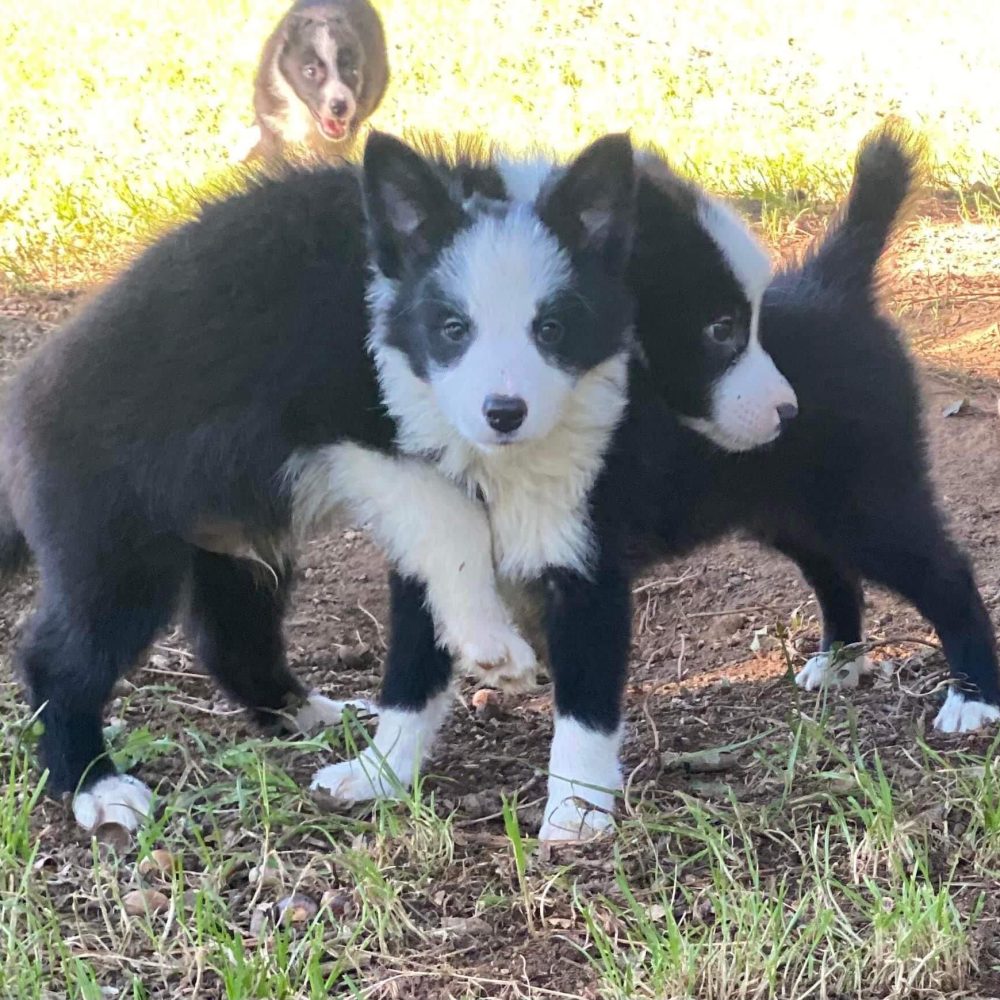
column 960, row 715
column 504, row 677
column 821, row 672
column 574, row 821
column 118, row 800
column 359, row 780
column 507, row 663
column 495, row 647
column 318, row 712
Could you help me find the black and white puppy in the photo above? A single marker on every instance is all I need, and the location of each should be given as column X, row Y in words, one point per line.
column 582, row 584
column 323, row 72
column 845, row 492
column 219, row 399
column 715, row 440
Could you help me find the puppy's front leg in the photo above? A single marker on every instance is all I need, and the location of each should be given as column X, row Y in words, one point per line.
column 435, row 533
column 588, row 623
column 414, row 702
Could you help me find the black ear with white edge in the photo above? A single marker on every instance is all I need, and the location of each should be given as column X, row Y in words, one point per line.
column 410, row 211
column 591, row 207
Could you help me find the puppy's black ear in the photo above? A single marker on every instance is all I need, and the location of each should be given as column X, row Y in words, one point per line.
column 592, row 205
column 296, row 24
column 411, row 213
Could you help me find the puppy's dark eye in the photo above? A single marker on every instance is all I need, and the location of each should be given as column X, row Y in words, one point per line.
column 550, row 332
column 721, row 330
column 455, row 330
column 310, row 72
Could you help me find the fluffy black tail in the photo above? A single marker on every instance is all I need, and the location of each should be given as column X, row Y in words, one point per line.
column 14, row 554
column 888, row 167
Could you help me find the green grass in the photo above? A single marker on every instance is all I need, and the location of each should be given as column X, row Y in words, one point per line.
column 816, row 863
column 114, row 113
column 859, row 887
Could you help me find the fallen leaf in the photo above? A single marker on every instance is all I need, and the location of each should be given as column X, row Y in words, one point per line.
column 487, row 704
column 159, row 862
column 762, row 641
column 698, row 761
column 462, row 925
column 139, row 902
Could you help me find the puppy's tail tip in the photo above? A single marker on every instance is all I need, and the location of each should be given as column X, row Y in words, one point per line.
column 889, row 167
column 890, row 164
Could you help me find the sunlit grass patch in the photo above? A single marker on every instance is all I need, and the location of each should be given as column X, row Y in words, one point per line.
column 114, row 115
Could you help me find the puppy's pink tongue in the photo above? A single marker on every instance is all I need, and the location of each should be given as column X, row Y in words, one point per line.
column 334, row 127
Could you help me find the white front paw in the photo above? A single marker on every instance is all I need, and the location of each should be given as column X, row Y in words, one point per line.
column 362, row 779
column 960, row 715
column 319, row 712
column 118, row 799
column 825, row 670
column 575, row 820
column 497, row 654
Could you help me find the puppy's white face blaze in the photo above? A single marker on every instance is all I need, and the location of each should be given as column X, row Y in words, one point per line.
column 499, row 274
column 745, row 401
column 333, row 94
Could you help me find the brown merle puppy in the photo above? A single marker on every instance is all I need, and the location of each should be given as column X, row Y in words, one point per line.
column 323, row 71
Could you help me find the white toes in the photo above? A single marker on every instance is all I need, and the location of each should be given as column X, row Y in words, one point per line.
column 960, row 715
column 575, row 821
column 583, row 776
column 363, row 779
column 319, row 712
column 824, row 670
column 386, row 769
column 118, row 799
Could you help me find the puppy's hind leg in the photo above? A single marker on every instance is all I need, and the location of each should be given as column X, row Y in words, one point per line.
column 235, row 616
column 414, row 702
column 93, row 623
column 909, row 551
column 841, row 602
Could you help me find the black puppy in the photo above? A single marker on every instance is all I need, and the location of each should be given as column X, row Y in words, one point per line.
column 234, row 387
column 835, row 476
column 323, row 72
column 845, row 492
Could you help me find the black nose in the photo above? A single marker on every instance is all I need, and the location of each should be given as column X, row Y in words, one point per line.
column 505, row 413
column 338, row 108
column 787, row 412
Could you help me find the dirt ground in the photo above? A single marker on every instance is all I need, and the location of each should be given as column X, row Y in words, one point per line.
column 695, row 681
